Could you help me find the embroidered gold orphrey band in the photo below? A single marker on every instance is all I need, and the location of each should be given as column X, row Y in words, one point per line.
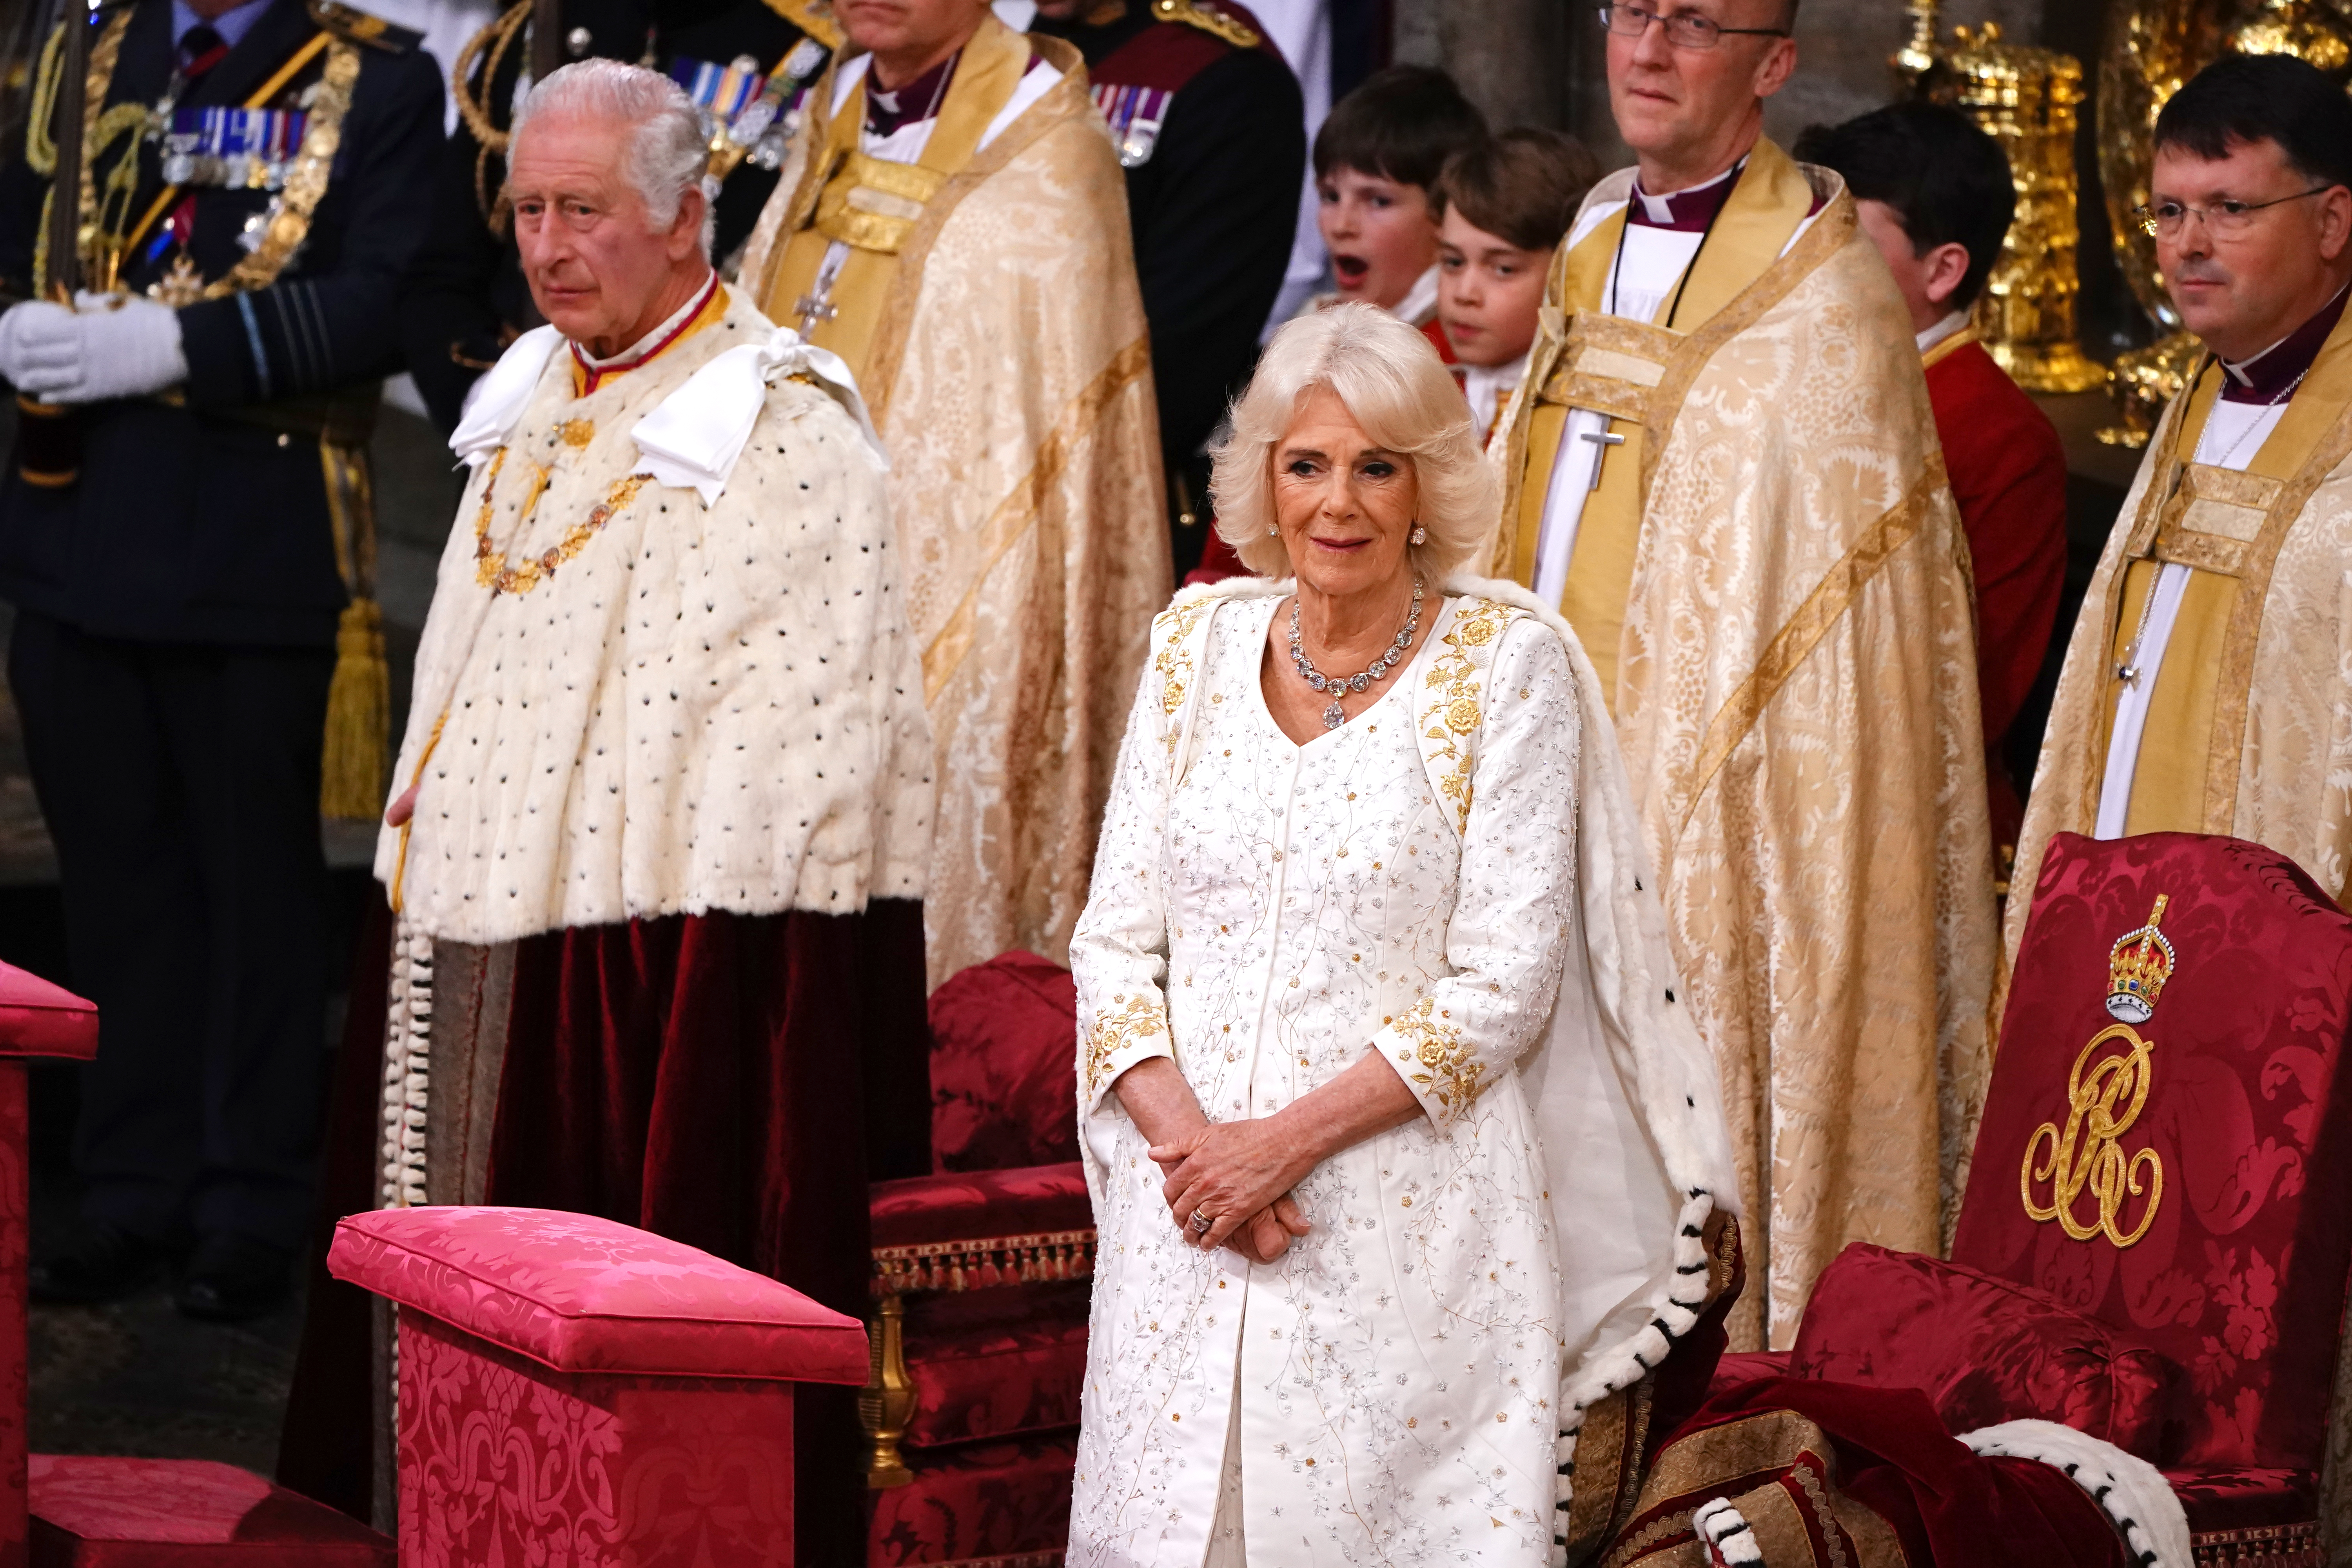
column 1802, row 632
column 877, row 377
column 1019, row 511
column 1682, row 357
column 2184, row 493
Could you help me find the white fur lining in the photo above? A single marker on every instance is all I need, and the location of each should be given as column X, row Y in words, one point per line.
column 2134, row 1495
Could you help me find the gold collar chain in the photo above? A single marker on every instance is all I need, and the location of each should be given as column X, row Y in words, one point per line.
column 492, row 568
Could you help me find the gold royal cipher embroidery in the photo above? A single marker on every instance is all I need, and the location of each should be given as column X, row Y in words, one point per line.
column 2103, row 1102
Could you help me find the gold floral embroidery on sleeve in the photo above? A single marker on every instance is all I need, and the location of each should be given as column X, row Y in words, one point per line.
column 1456, row 712
column 1451, row 1073
column 1137, row 1018
column 1174, row 663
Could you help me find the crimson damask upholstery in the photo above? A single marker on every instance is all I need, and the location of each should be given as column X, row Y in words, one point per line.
column 979, row 1500
column 996, row 1364
column 1984, row 1350
column 961, row 1206
column 2159, row 1182
column 1002, row 1039
column 2230, row 1271
column 583, row 1294
column 104, row 1512
column 995, row 1360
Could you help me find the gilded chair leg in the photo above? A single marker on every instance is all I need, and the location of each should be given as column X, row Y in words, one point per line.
column 887, row 1398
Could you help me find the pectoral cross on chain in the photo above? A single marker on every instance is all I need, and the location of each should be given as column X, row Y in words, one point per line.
column 815, row 307
column 1601, row 441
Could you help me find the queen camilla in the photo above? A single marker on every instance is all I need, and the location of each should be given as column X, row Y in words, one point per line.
column 1402, row 1154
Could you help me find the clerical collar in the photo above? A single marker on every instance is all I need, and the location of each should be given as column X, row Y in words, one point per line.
column 2265, row 377
column 1931, row 336
column 1686, row 212
column 909, row 102
column 589, row 373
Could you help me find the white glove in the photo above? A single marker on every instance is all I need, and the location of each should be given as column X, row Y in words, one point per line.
column 109, row 346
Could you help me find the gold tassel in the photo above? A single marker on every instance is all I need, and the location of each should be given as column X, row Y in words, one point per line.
column 358, row 717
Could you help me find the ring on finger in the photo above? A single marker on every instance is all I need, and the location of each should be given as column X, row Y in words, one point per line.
column 1201, row 1222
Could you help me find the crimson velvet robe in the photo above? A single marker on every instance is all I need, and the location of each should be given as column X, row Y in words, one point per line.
column 2007, row 474
column 726, row 1081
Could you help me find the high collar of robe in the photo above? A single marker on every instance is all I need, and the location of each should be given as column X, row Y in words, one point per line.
column 589, row 373
column 2266, row 376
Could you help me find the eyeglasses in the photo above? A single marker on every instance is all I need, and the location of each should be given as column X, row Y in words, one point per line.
column 2223, row 219
column 1685, row 29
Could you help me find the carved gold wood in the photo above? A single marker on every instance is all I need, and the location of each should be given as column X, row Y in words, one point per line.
column 2152, row 47
column 2025, row 99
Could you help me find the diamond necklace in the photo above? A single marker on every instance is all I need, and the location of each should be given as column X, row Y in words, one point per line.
column 1333, row 716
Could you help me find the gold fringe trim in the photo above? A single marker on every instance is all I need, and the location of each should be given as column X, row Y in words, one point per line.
column 1795, row 641
column 957, row 1266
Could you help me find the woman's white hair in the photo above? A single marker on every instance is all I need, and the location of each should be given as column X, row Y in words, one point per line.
column 1394, row 382
column 671, row 152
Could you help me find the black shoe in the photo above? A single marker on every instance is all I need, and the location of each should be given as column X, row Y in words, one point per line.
column 105, row 1263
column 234, row 1277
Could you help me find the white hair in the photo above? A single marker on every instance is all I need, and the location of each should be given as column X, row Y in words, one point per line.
column 669, row 154
column 1392, row 380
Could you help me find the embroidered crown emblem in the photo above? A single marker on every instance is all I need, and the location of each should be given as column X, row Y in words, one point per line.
column 2138, row 967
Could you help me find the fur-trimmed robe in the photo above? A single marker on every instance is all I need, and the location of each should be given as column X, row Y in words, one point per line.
column 1566, row 1197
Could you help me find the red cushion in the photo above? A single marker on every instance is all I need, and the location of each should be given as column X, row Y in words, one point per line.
column 996, row 1364
column 185, row 1513
column 38, row 1019
column 583, row 1294
column 2239, row 1278
column 1735, row 1367
column 981, row 1205
column 977, row 1499
column 1983, row 1350
column 1003, row 1058
column 2246, row 1499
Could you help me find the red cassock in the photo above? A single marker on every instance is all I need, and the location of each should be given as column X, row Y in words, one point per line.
column 2009, row 477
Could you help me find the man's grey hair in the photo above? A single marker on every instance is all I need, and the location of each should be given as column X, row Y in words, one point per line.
column 671, row 152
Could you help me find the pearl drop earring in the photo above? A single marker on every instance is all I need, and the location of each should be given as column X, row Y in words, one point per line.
column 1272, row 531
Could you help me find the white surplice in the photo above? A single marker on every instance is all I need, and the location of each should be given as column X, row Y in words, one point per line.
column 1451, row 880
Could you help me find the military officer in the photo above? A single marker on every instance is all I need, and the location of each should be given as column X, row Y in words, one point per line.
column 745, row 64
column 185, row 537
column 1210, row 125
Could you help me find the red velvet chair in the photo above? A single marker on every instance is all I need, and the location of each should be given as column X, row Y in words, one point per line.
column 2155, row 1236
column 59, row 1510
column 980, row 1285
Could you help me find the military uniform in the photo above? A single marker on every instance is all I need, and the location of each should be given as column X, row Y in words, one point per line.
column 179, row 602
column 1212, row 130
column 465, row 298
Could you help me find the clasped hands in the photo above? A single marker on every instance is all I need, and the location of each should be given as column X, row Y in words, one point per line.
column 1239, row 1176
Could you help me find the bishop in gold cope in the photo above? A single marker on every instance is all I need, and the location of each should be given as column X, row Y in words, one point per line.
column 953, row 222
column 2204, row 689
column 1722, row 468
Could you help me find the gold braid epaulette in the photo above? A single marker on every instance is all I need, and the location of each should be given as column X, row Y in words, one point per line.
column 1215, row 23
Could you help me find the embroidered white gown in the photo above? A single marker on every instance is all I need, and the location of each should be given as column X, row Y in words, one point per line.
column 1278, row 909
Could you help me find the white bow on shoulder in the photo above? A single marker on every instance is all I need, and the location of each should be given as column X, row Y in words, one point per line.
column 692, row 439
